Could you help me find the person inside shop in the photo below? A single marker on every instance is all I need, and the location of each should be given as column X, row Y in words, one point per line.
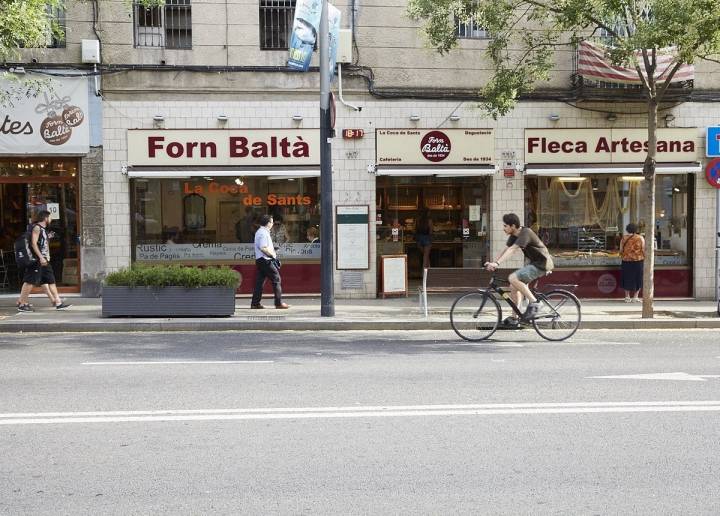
column 312, row 234
column 40, row 273
column 268, row 266
column 279, row 231
column 632, row 253
column 539, row 263
column 423, row 237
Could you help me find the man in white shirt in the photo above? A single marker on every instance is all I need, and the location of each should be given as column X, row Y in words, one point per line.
column 266, row 262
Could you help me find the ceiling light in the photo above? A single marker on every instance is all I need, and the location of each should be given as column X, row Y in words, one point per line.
column 632, row 179
column 572, row 179
column 239, row 181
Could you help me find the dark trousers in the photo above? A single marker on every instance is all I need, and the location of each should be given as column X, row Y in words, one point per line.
column 266, row 269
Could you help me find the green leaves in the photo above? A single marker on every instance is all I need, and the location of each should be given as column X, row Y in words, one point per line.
column 158, row 276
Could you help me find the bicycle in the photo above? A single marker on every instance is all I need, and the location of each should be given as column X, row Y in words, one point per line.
column 476, row 315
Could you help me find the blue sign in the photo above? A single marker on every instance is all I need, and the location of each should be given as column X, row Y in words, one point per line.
column 712, row 142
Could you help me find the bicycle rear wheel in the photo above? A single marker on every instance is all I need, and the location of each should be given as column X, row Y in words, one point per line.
column 475, row 316
column 559, row 316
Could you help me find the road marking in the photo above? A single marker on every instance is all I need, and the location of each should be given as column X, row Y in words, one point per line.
column 40, row 418
column 182, row 362
column 660, row 376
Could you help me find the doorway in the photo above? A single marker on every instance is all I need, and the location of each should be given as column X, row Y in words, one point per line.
column 27, row 186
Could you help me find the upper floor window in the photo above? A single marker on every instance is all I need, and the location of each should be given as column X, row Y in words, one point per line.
column 168, row 26
column 470, row 30
column 276, row 21
column 56, row 37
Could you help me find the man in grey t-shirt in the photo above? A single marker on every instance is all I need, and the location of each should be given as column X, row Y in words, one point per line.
column 539, row 263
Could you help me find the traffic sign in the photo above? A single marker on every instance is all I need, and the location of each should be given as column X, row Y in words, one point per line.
column 712, row 172
column 712, row 142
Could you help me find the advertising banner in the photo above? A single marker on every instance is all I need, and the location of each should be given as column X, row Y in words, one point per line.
column 55, row 122
column 334, row 17
column 304, row 34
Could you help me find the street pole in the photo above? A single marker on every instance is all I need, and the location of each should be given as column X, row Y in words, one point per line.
column 327, row 296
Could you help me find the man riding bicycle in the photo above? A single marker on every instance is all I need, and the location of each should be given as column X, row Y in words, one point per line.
column 538, row 264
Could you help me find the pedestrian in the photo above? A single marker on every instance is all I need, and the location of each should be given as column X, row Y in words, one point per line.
column 267, row 265
column 632, row 253
column 40, row 273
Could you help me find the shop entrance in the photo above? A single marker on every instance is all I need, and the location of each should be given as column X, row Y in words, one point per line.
column 447, row 214
column 27, row 186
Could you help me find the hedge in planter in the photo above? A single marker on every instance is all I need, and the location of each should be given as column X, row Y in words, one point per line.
column 172, row 291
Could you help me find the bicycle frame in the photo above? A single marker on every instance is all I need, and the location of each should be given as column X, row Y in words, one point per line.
column 505, row 295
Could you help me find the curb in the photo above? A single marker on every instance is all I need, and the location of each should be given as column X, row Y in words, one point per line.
column 315, row 325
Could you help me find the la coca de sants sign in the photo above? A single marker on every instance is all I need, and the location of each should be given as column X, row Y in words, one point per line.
column 609, row 145
column 434, row 146
column 223, row 147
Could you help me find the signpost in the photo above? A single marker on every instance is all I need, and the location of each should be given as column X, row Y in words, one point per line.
column 712, row 174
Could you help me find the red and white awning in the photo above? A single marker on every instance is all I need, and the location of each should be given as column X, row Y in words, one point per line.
column 594, row 64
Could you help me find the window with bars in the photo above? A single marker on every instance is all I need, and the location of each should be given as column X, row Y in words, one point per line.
column 470, row 30
column 276, row 21
column 168, row 26
column 56, row 39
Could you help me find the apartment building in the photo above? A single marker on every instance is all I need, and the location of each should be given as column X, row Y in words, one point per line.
column 200, row 128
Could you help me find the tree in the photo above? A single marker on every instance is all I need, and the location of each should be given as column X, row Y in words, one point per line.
column 524, row 35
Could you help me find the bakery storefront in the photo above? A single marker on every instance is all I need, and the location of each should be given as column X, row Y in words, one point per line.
column 43, row 140
column 438, row 178
column 196, row 197
column 582, row 188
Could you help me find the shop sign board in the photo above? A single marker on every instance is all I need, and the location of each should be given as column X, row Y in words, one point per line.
column 609, row 145
column 223, row 147
column 221, row 252
column 54, row 122
column 434, row 146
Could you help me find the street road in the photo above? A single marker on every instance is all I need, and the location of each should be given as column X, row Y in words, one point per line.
column 360, row 423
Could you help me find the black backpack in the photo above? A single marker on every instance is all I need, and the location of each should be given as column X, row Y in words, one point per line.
column 24, row 255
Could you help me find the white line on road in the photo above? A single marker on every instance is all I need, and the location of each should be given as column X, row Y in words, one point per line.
column 182, row 362
column 39, row 418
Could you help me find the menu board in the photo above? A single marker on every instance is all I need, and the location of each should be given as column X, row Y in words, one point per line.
column 353, row 237
column 393, row 275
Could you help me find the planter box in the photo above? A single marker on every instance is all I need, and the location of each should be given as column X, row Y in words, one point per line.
column 168, row 302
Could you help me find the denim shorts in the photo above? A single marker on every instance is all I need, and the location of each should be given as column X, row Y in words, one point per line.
column 423, row 240
column 529, row 273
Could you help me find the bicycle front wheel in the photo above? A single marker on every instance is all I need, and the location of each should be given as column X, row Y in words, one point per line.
column 559, row 316
column 475, row 316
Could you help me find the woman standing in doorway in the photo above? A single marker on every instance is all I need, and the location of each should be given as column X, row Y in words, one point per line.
column 632, row 252
column 423, row 237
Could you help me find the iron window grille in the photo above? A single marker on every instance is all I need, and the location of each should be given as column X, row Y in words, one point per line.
column 166, row 26
column 470, row 30
column 276, row 22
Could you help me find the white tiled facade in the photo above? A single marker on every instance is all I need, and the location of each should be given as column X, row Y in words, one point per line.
column 353, row 183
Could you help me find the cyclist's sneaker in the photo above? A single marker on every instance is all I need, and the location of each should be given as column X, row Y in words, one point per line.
column 25, row 308
column 531, row 312
column 62, row 306
column 511, row 322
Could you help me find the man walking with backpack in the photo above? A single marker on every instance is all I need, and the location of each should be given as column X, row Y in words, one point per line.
column 38, row 271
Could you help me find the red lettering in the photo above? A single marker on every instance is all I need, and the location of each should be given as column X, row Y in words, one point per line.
column 190, row 147
column 533, row 143
column 208, row 148
column 238, row 147
column 174, row 150
column 154, row 144
column 635, row 146
column 553, row 147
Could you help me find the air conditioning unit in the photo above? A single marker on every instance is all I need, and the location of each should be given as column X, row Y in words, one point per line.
column 91, row 51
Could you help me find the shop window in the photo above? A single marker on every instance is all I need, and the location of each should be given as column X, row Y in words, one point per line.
column 32, row 168
column 212, row 218
column 454, row 211
column 276, row 21
column 582, row 219
column 168, row 25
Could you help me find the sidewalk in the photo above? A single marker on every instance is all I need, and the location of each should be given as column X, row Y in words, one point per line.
column 357, row 314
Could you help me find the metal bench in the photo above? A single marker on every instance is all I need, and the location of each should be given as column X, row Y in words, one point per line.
column 454, row 279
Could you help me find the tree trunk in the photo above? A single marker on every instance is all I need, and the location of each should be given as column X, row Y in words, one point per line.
column 649, row 195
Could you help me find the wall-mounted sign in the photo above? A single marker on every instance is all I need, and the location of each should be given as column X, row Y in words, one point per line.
column 351, row 134
column 434, row 146
column 712, row 173
column 353, row 237
column 55, row 122
column 218, row 147
column 608, row 145
column 712, row 142
column 230, row 252
column 54, row 209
